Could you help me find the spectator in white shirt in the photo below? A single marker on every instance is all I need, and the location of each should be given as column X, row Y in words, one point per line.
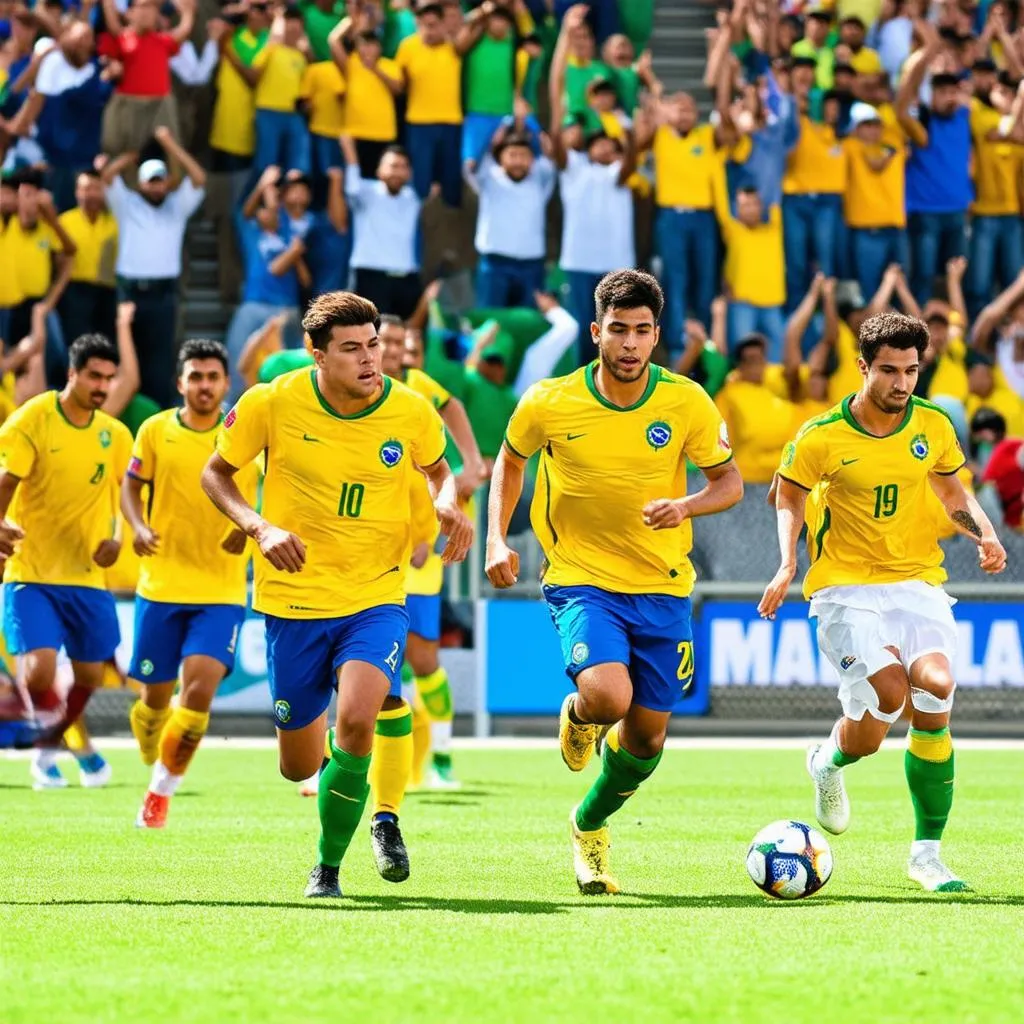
column 514, row 187
column 151, row 225
column 385, row 218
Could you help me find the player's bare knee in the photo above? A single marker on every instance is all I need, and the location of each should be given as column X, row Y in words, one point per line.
column 296, row 769
column 355, row 736
column 603, row 707
column 197, row 694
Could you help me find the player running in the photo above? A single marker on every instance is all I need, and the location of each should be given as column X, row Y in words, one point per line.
column 190, row 600
column 874, row 584
column 61, row 458
column 344, row 446
column 612, row 515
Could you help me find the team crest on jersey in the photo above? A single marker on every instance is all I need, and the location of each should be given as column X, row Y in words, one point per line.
column 846, row 662
column 659, row 434
column 788, row 455
column 391, row 453
column 580, row 653
column 919, row 446
column 282, row 711
column 104, row 436
column 147, row 667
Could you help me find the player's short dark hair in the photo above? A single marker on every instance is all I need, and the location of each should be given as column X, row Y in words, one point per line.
column 390, row 319
column 31, row 176
column 422, row 10
column 396, row 151
column 600, row 85
column 369, row 36
column 203, row 348
column 337, row 309
column 852, row 19
column 512, row 138
column 945, row 79
column 293, row 13
column 896, row 331
column 597, row 136
column 753, row 340
column 628, row 289
column 748, row 190
column 92, row 346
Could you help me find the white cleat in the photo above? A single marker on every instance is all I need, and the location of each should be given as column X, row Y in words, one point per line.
column 46, row 775
column 437, row 780
column 96, row 779
column 311, row 787
column 933, row 876
column 831, row 804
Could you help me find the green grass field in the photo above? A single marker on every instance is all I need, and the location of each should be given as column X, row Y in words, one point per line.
column 206, row 921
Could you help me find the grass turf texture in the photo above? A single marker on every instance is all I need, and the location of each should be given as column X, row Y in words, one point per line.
column 206, row 921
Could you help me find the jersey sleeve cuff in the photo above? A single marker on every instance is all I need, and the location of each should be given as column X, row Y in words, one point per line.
column 139, row 477
column 950, row 472
column 514, row 450
column 715, row 465
column 796, row 483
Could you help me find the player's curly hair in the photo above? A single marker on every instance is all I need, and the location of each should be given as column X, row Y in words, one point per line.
column 337, row 309
column 203, row 348
column 92, row 346
column 628, row 289
column 892, row 329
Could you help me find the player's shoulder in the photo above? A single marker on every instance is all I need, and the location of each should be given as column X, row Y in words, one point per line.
column 111, row 426
column 554, row 391
column 928, row 414
column 33, row 411
column 405, row 398
column 822, row 425
column 676, row 387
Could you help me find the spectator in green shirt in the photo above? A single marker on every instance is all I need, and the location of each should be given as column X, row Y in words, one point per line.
column 581, row 68
column 320, row 16
column 487, row 395
column 815, row 44
column 628, row 75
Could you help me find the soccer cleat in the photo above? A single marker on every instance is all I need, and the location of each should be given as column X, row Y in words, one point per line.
column 94, row 772
column 576, row 741
column 934, row 876
column 389, row 850
column 46, row 775
column 442, row 777
column 311, row 787
column 153, row 812
column 590, row 859
column 599, row 742
column 323, row 883
column 831, row 804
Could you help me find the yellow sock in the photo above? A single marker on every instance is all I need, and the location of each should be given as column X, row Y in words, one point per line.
column 181, row 737
column 420, row 741
column 392, row 759
column 147, row 725
column 436, row 695
column 76, row 736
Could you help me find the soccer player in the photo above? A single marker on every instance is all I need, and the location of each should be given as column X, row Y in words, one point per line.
column 432, row 707
column 190, row 600
column 874, row 584
column 612, row 514
column 59, row 454
column 344, row 446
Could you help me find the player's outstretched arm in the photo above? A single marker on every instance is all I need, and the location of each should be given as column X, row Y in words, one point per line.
column 969, row 518
column 724, row 489
column 283, row 550
column 502, row 563
column 146, row 539
column 789, row 505
column 455, row 524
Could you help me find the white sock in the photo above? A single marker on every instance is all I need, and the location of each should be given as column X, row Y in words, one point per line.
column 163, row 783
column 45, row 758
column 923, row 847
column 823, row 758
column 441, row 737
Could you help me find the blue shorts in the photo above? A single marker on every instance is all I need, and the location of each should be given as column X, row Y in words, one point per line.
column 82, row 620
column 304, row 655
column 424, row 615
column 167, row 633
column 651, row 634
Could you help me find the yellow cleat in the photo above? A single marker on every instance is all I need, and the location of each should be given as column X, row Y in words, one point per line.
column 147, row 725
column 577, row 742
column 590, row 858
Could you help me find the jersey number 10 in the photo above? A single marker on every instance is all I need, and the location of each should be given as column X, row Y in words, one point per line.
column 350, row 503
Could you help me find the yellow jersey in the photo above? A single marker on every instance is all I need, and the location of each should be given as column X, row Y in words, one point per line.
column 96, row 242
column 190, row 566
column 687, row 168
column 846, row 378
column 342, row 484
column 997, row 165
column 759, row 423
column 754, row 263
column 66, row 501
column 817, row 163
column 369, row 106
column 433, row 79
column 601, row 464
column 425, row 385
column 874, row 199
column 869, row 495
column 10, row 290
column 280, row 85
column 31, row 251
column 323, row 88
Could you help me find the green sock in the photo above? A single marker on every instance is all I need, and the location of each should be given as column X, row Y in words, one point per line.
column 929, row 765
column 442, row 760
column 342, row 797
column 621, row 775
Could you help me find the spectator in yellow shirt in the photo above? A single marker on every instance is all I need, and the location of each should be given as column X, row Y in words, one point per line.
column 988, row 390
column 759, row 421
column 432, row 69
column 282, row 138
column 874, row 205
column 89, row 302
column 323, row 92
column 372, row 83
column 754, row 270
column 852, row 35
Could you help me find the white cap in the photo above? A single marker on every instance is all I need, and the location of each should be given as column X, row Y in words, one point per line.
column 152, row 169
column 862, row 113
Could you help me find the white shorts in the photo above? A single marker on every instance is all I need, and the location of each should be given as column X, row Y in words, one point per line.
column 856, row 625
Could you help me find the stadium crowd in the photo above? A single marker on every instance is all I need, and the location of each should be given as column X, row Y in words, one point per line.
column 859, row 155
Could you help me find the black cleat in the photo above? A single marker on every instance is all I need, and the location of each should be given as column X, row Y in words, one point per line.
column 389, row 850
column 323, row 883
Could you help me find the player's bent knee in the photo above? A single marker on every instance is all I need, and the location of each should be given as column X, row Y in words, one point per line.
column 936, row 700
column 605, row 708
column 299, row 770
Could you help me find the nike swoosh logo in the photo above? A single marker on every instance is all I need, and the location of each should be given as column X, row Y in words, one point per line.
column 306, row 437
column 573, row 437
column 53, row 451
column 850, row 462
column 351, row 799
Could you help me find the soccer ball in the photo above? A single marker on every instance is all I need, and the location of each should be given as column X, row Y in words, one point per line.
column 789, row 860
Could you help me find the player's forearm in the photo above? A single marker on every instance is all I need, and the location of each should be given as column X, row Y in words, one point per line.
column 717, row 495
column 506, row 490
column 131, row 503
column 790, row 521
column 457, row 422
column 970, row 519
column 218, row 481
column 441, row 482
